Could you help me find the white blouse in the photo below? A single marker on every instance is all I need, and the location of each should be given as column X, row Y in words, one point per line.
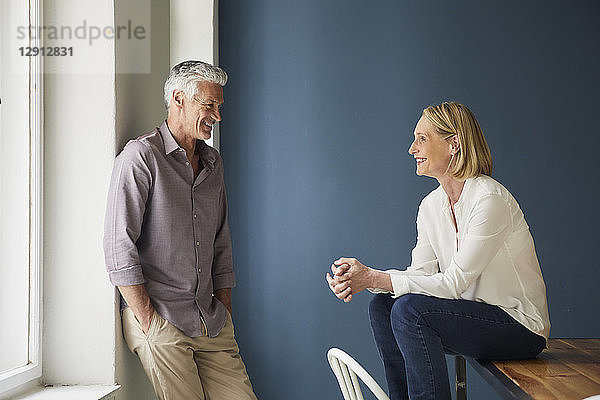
column 491, row 259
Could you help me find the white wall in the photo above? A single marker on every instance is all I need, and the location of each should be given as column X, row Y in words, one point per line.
column 88, row 118
column 79, row 134
column 194, row 35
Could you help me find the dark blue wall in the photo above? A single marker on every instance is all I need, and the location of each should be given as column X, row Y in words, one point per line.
column 320, row 108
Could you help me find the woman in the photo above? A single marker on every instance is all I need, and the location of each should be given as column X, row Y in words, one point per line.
column 474, row 286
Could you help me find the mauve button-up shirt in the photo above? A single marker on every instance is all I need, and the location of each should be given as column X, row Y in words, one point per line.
column 170, row 232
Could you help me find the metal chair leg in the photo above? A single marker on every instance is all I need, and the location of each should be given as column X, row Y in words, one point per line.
column 461, row 377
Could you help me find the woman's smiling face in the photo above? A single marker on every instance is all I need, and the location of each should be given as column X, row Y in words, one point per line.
column 431, row 152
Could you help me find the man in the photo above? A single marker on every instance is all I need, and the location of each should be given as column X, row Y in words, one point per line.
column 168, row 249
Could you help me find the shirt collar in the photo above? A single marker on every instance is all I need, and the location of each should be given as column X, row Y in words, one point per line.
column 171, row 145
column 206, row 155
column 168, row 139
column 466, row 188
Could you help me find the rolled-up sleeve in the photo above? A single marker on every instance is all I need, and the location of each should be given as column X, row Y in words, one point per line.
column 130, row 185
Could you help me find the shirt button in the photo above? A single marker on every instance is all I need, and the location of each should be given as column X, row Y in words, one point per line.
column 197, row 243
column 199, row 269
column 195, row 216
column 187, row 163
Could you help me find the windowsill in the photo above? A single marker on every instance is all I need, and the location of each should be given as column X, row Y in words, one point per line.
column 79, row 392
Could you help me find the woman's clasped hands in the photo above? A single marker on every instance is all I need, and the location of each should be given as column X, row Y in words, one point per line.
column 348, row 277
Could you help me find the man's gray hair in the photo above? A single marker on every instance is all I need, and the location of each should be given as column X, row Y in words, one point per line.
column 186, row 74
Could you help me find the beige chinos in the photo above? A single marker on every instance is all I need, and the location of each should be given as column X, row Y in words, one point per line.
column 185, row 368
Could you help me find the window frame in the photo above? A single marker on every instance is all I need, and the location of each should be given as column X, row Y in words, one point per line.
column 14, row 378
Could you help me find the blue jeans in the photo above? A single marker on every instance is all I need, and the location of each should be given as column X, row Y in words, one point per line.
column 413, row 332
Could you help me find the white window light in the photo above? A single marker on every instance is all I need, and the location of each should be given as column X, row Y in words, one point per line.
column 20, row 198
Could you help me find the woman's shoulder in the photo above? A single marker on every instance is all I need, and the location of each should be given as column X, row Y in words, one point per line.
column 483, row 186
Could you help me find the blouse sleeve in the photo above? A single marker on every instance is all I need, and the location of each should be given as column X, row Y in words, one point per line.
column 487, row 228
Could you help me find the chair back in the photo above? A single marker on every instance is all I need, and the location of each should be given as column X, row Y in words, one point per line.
column 346, row 370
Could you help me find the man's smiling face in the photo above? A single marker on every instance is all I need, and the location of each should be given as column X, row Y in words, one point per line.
column 203, row 110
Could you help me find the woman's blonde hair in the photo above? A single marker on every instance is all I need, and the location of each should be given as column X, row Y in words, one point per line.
column 473, row 158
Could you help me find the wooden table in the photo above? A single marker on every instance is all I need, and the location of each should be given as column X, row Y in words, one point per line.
column 568, row 369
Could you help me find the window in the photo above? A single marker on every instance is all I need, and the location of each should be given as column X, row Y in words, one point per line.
column 20, row 195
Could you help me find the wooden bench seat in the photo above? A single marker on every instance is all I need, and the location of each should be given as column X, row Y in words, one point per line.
column 568, row 369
